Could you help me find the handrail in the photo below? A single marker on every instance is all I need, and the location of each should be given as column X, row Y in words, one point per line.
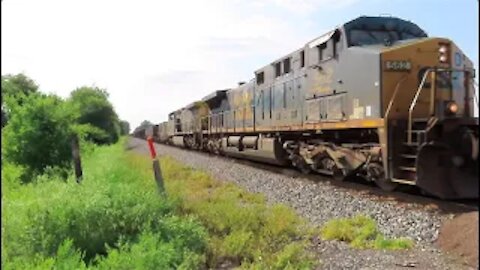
column 414, row 102
column 394, row 96
column 417, row 94
column 432, row 124
column 475, row 84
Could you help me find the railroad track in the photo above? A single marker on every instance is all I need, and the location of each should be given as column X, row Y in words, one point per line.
column 404, row 195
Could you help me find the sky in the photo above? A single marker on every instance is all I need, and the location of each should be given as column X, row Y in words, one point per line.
column 154, row 57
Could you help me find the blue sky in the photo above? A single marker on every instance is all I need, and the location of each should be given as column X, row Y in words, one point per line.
column 454, row 19
column 154, row 57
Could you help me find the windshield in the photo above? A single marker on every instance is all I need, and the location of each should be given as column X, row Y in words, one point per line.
column 366, row 37
column 379, row 30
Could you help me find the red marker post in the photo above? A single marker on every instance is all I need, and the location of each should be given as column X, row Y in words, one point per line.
column 156, row 165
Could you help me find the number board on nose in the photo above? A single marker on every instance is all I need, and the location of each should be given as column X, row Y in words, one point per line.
column 398, row 65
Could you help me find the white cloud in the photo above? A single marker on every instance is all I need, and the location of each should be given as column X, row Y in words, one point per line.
column 152, row 56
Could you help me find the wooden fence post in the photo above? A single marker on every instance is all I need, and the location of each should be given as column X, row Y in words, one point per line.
column 76, row 158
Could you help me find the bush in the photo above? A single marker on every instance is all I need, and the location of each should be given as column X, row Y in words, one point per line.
column 91, row 106
column 41, row 127
column 124, row 127
column 11, row 174
column 17, row 86
column 115, row 219
column 67, row 257
column 361, row 232
column 38, row 134
column 112, row 208
column 179, row 246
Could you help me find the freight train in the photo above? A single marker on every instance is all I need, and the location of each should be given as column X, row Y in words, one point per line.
column 375, row 97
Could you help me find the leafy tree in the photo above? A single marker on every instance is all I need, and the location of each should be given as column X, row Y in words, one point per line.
column 38, row 134
column 18, row 86
column 145, row 123
column 91, row 106
column 124, row 127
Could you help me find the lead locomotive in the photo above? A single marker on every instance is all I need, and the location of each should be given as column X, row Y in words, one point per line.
column 374, row 97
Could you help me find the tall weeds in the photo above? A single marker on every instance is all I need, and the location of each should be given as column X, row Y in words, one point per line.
column 115, row 219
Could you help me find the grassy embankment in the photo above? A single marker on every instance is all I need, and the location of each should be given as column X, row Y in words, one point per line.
column 115, row 219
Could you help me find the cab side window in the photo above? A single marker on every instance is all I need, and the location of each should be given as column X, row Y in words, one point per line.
column 322, row 52
column 443, row 79
column 331, row 48
column 302, row 59
column 278, row 69
column 260, row 78
column 336, row 44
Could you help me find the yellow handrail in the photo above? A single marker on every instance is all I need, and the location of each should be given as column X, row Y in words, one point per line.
column 475, row 84
column 432, row 97
column 414, row 102
column 394, row 96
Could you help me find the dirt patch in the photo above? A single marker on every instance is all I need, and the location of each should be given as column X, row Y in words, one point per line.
column 459, row 236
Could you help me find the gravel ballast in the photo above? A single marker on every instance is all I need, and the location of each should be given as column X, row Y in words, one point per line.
column 320, row 201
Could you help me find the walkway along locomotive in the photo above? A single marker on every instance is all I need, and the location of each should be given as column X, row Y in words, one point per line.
column 374, row 97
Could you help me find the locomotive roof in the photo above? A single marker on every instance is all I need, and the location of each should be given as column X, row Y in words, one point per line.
column 384, row 23
column 214, row 94
column 362, row 22
column 214, row 99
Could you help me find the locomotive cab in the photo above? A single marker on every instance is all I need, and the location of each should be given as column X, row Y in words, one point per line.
column 427, row 99
column 420, row 87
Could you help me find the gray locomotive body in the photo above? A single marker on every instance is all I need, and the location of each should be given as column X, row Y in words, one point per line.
column 348, row 103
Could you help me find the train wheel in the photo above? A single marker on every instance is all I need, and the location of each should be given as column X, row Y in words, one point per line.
column 375, row 173
column 440, row 173
column 299, row 163
column 327, row 166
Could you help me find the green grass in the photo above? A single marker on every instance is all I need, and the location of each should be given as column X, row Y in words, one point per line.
column 361, row 232
column 115, row 219
column 242, row 228
column 113, row 216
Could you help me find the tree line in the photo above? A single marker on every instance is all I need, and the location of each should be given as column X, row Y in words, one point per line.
column 37, row 128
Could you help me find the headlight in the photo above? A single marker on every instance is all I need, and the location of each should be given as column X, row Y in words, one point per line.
column 443, row 58
column 443, row 49
column 452, row 107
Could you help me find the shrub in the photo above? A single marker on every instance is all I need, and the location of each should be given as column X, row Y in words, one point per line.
column 361, row 232
column 91, row 106
column 40, row 127
column 124, row 127
column 15, row 86
column 67, row 257
column 38, row 134
column 111, row 207
column 153, row 251
column 115, row 219
column 10, row 175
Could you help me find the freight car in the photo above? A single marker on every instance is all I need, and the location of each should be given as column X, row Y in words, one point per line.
column 139, row 132
column 374, row 97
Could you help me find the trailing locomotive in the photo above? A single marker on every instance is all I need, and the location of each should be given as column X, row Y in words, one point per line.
column 374, row 97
